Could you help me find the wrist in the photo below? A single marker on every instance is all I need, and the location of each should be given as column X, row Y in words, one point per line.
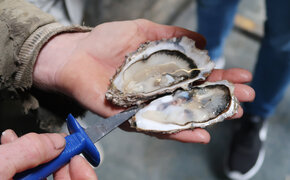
column 53, row 57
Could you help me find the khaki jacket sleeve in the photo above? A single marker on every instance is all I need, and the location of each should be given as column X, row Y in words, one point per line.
column 24, row 30
column 18, row 20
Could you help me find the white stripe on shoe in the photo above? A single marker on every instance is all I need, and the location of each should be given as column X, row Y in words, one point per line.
column 235, row 175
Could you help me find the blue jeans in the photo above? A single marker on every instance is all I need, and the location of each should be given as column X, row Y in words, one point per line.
column 272, row 71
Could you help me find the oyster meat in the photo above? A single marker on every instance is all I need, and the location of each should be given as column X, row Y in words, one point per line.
column 156, row 68
column 199, row 107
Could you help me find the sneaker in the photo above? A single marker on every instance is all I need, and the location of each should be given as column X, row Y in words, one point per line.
column 220, row 62
column 247, row 151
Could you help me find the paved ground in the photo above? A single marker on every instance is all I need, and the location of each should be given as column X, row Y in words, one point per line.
column 131, row 156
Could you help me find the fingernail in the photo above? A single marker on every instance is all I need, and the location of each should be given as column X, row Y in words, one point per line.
column 6, row 132
column 3, row 133
column 9, row 133
column 58, row 141
column 8, row 136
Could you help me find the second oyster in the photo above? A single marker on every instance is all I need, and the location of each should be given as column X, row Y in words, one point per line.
column 201, row 106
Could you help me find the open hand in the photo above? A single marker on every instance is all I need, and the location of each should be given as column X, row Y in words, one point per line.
column 80, row 65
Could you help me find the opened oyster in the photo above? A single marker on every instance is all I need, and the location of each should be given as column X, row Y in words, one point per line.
column 156, row 68
column 171, row 68
column 201, row 106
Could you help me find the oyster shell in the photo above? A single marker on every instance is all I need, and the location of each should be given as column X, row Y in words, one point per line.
column 201, row 106
column 156, row 68
column 164, row 67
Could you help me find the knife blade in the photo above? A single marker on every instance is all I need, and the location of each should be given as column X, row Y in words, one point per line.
column 105, row 126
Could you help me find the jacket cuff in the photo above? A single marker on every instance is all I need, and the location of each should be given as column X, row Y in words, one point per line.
column 31, row 47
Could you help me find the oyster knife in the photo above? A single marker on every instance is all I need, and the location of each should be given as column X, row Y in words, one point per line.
column 79, row 141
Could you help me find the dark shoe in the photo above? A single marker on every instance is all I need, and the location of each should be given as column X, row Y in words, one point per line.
column 247, row 151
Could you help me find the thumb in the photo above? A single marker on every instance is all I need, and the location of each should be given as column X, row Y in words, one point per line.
column 29, row 151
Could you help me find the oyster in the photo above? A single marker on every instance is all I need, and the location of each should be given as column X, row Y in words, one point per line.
column 156, row 68
column 201, row 106
column 169, row 71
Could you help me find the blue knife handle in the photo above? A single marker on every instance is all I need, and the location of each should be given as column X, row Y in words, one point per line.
column 76, row 143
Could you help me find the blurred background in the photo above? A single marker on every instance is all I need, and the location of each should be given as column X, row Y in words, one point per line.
column 134, row 156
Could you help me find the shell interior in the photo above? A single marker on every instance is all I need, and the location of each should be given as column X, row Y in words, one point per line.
column 203, row 105
column 149, row 74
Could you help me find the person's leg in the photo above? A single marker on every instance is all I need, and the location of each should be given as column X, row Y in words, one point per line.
column 272, row 72
column 215, row 20
column 271, row 77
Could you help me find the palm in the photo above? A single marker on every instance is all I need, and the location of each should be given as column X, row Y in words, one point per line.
column 100, row 54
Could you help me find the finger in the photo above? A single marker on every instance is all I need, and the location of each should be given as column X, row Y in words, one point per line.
column 239, row 114
column 29, row 151
column 155, row 31
column 197, row 135
column 244, row 93
column 80, row 169
column 62, row 173
column 235, row 75
column 63, row 134
column 8, row 136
